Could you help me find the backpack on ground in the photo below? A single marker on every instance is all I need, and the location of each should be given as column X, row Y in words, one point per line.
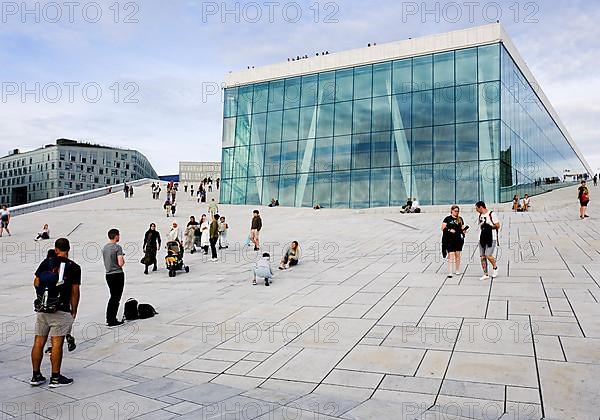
column 130, row 311
column 48, row 290
column 145, row 310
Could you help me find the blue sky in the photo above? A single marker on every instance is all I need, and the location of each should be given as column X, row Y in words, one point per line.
column 152, row 70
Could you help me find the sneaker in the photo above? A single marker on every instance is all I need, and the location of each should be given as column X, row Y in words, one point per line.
column 449, row 275
column 484, row 277
column 457, row 273
column 253, row 282
column 256, row 248
column 266, row 282
column 214, row 259
column 70, row 342
column 585, row 215
column 114, row 324
column 58, row 381
column 494, row 273
column 37, row 379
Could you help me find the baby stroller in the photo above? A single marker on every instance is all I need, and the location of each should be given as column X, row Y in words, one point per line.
column 174, row 258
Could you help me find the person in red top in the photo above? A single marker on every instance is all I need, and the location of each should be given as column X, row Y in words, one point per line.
column 583, row 194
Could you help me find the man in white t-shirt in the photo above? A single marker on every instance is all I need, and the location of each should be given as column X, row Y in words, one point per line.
column 488, row 239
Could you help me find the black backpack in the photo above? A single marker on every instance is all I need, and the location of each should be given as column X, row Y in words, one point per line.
column 145, row 310
column 130, row 311
column 49, row 288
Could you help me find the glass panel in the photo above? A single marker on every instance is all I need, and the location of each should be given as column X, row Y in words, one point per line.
column 422, row 72
column 382, row 79
column 381, row 113
column 443, row 69
column 242, row 130
column 287, row 190
column 259, row 125
column 363, row 81
column 340, row 188
column 401, row 147
column 225, row 191
column 361, row 117
column 422, row 108
column 380, row 187
column 402, row 75
column 322, row 191
column 238, row 191
column 422, row 145
column 229, row 132
column 230, row 102
column 489, row 176
column 290, row 124
column 272, row 158
column 325, row 120
column 257, row 160
column 240, row 162
column 274, row 126
column 361, row 151
column 489, row 62
column 308, row 122
column 261, row 96
column 292, row 93
column 467, row 182
column 275, row 95
column 326, row 87
column 252, row 191
column 466, row 66
column 380, row 149
column 270, row 188
column 304, row 190
column 306, row 149
column 227, row 162
column 341, row 152
column 443, row 143
column 443, row 183
column 489, row 140
column 443, row 106
column 289, row 157
column 309, row 90
column 422, row 184
column 324, row 154
column 467, row 141
column 489, row 101
column 402, row 111
column 360, row 189
column 466, row 103
column 245, row 100
column 400, row 185
column 343, row 118
column 343, row 85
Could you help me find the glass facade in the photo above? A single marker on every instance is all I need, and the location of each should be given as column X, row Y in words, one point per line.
column 445, row 128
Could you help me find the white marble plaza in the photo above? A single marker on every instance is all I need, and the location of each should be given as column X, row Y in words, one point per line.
column 368, row 326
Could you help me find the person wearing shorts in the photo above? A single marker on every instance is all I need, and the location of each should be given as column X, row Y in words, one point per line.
column 4, row 220
column 488, row 239
column 56, row 325
column 583, row 194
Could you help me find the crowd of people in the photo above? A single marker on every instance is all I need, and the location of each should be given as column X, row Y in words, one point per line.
column 57, row 280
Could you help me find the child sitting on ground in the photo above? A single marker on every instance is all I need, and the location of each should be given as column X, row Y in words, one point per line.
column 262, row 268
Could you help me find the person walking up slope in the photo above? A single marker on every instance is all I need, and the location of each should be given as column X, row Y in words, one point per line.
column 488, row 239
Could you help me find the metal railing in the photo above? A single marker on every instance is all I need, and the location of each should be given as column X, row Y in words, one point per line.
column 74, row 198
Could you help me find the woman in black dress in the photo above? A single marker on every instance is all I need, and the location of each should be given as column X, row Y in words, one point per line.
column 453, row 239
column 151, row 246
